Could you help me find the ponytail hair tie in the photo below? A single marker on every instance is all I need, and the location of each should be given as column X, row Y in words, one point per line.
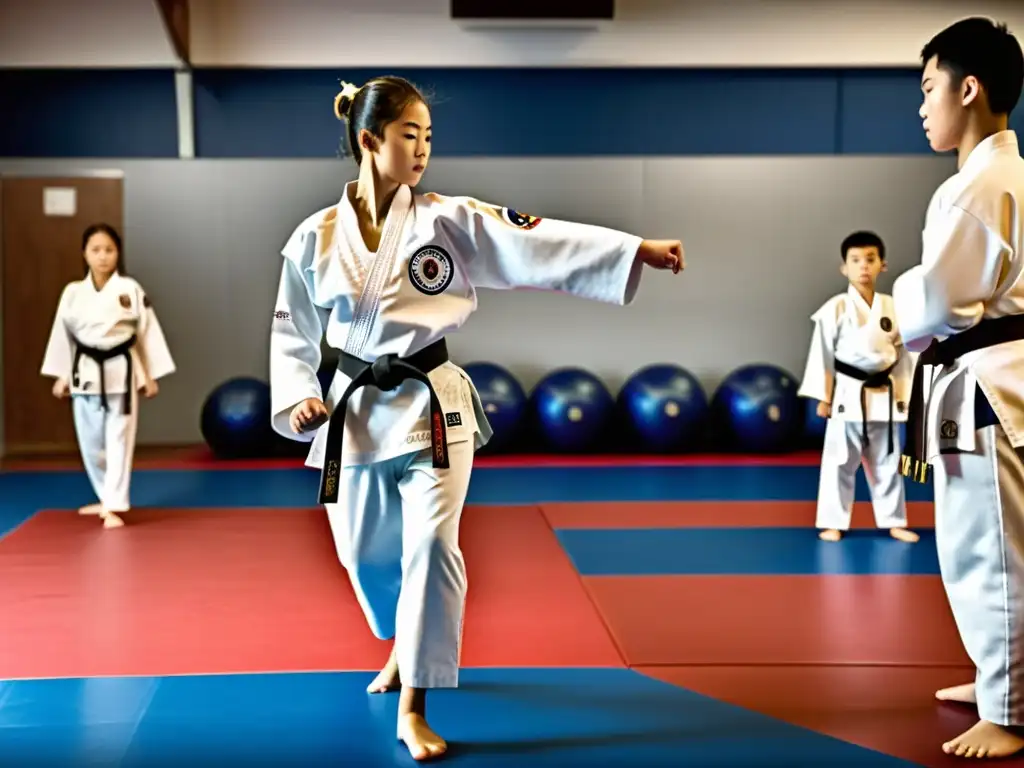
column 343, row 101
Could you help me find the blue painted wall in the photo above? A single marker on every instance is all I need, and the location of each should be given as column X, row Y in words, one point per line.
column 478, row 112
column 88, row 113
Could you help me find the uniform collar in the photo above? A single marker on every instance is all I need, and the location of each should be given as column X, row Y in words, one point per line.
column 92, row 283
column 349, row 220
column 854, row 294
column 997, row 143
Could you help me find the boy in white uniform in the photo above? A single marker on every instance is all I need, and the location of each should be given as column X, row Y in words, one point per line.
column 963, row 308
column 859, row 372
column 386, row 274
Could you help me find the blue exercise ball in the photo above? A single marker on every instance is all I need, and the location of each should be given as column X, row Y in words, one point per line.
column 503, row 399
column 571, row 408
column 757, row 410
column 664, row 407
column 235, row 420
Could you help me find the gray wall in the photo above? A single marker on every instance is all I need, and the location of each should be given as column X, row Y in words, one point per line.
column 761, row 235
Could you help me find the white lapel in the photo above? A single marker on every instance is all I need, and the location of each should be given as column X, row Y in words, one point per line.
column 860, row 308
column 102, row 300
column 349, row 246
column 382, row 263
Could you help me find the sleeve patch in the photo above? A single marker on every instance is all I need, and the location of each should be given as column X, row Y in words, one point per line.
column 518, row 219
column 280, row 314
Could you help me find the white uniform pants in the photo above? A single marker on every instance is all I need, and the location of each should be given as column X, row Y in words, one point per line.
column 979, row 534
column 843, row 453
column 396, row 530
column 107, row 443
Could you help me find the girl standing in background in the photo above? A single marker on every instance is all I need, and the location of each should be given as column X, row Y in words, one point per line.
column 105, row 345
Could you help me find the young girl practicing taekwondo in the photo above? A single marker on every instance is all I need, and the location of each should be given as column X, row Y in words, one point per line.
column 105, row 345
column 386, row 274
column 860, row 374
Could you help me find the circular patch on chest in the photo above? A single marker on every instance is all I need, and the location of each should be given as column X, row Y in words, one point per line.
column 431, row 269
column 125, row 300
column 886, row 324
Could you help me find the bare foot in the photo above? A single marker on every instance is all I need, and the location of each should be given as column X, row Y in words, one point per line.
column 422, row 742
column 830, row 535
column 985, row 739
column 91, row 509
column 387, row 680
column 904, row 535
column 111, row 520
column 962, row 693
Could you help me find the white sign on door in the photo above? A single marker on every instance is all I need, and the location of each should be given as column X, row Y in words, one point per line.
column 60, row 201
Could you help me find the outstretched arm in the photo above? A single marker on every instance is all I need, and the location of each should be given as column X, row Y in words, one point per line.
column 505, row 249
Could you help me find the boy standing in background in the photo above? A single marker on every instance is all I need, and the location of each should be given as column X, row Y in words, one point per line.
column 860, row 374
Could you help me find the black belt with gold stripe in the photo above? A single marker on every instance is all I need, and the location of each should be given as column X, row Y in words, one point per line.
column 987, row 333
column 386, row 373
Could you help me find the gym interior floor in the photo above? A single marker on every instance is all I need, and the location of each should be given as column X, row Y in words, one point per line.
column 620, row 613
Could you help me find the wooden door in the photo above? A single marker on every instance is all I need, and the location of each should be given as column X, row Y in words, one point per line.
column 41, row 248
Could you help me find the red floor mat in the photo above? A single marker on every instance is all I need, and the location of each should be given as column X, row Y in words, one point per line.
column 528, row 606
column 231, row 590
column 891, row 710
column 779, row 619
column 712, row 514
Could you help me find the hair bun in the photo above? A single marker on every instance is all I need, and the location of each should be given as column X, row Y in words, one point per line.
column 343, row 101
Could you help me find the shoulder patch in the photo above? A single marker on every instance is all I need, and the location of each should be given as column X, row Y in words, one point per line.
column 886, row 324
column 431, row 269
column 145, row 301
column 518, row 219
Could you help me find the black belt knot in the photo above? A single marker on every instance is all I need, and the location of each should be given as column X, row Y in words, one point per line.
column 389, row 372
column 100, row 357
column 873, row 381
column 940, row 354
column 386, row 373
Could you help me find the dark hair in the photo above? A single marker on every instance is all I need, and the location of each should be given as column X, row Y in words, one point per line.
column 981, row 48
column 376, row 104
column 862, row 239
column 109, row 231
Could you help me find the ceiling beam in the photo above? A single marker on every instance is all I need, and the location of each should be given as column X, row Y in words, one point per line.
column 175, row 17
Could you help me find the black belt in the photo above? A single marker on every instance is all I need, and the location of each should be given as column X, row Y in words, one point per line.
column 100, row 356
column 386, row 373
column 874, row 381
column 987, row 333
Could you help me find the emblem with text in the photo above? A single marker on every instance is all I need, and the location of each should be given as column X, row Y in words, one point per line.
column 431, row 269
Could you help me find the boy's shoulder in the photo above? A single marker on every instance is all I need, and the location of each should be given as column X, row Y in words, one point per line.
column 834, row 305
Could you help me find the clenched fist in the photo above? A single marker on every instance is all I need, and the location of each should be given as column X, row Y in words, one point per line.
column 663, row 254
column 307, row 415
